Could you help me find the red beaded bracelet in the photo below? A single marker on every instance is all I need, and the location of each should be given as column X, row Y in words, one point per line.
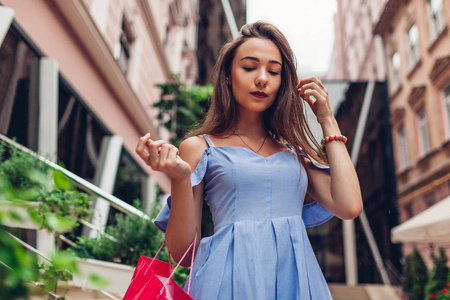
column 334, row 137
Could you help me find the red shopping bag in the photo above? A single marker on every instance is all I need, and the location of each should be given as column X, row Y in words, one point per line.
column 152, row 280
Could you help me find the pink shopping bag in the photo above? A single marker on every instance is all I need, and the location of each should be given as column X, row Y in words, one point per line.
column 152, row 280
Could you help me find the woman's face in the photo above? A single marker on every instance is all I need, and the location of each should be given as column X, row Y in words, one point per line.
column 256, row 74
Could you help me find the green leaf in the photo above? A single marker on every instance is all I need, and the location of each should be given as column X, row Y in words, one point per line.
column 97, row 280
column 61, row 181
column 58, row 223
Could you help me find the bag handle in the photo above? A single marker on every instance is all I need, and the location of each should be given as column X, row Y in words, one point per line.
column 192, row 264
column 192, row 245
column 159, row 250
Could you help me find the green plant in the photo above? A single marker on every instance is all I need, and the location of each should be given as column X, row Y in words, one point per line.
column 60, row 209
column 438, row 279
column 125, row 241
column 17, row 267
column 33, row 180
column 26, row 174
column 180, row 109
column 25, row 177
column 442, row 294
column 60, row 269
column 415, row 276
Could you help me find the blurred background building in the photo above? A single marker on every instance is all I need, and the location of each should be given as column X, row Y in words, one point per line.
column 213, row 32
column 417, row 50
column 404, row 168
column 357, row 53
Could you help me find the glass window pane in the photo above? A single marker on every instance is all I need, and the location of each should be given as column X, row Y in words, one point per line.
column 436, row 5
column 413, row 34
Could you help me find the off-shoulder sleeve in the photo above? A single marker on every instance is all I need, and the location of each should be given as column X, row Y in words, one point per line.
column 313, row 213
column 162, row 218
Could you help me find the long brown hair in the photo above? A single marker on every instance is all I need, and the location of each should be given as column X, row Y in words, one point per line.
column 285, row 120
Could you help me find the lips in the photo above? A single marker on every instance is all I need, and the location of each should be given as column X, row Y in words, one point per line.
column 259, row 94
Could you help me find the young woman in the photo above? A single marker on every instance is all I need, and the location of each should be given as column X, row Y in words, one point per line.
column 253, row 160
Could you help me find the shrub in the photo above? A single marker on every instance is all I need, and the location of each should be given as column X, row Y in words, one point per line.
column 415, row 276
column 25, row 173
column 437, row 286
column 125, row 241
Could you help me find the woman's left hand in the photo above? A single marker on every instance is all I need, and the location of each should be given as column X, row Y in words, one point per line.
column 312, row 90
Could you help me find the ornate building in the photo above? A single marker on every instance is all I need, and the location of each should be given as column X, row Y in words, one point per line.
column 357, row 53
column 417, row 49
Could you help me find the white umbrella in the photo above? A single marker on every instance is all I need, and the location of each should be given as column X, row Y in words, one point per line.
column 431, row 225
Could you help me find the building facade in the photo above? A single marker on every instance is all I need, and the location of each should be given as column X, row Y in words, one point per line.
column 214, row 31
column 358, row 60
column 357, row 53
column 78, row 83
column 417, row 49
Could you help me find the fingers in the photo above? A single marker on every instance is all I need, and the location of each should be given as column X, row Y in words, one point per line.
column 311, row 89
column 167, row 156
column 312, row 83
column 306, row 80
column 142, row 149
column 155, row 153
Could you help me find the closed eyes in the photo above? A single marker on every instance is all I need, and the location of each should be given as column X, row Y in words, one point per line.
column 251, row 69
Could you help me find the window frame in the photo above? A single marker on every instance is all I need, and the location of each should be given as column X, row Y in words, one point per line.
column 445, row 106
column 423, row 131
column 396, row 80
column 413, row 46
column 435, row 18
column 402, row 145
column 124, row 47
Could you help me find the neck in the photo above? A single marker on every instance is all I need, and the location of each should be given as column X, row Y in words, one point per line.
column 251, row 125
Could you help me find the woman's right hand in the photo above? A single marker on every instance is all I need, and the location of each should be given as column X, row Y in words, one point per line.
column 162, row 156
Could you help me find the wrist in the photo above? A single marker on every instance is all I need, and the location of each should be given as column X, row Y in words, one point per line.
column 330, row 126
column 182, row 179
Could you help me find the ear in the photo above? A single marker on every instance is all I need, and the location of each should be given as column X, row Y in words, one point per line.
column 228, row 80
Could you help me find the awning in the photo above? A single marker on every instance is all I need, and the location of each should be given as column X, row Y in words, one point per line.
column 431, row 225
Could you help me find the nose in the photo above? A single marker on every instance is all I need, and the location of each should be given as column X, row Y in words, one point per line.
column 262, row 79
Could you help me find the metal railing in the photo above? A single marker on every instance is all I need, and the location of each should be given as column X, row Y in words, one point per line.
column 394, row 274
column 37, row 252
column 83, row 185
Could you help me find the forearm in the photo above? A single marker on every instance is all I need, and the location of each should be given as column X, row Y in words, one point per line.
column 181, row 228
column 345, row 189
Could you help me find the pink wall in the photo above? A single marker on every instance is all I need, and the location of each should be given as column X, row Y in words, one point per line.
column 40, row 20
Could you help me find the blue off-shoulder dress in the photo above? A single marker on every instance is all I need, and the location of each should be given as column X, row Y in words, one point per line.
column 259, row 249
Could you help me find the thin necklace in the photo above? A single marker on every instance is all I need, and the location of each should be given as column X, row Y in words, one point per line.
column 260, row 147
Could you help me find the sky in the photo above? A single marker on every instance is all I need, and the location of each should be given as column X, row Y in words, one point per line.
column 308, row 26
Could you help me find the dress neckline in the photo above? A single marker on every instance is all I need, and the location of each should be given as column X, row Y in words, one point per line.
column 250, row 151
column 212, row 145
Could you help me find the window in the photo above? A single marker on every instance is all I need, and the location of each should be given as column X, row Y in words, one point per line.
column 403, row 158
column 430, row 199
column 413, row 36
column 395, row 60
column 446, row 110
column 422, row 130
column 19, row 83
column 407, row 211
column 436, row 18
column 123, row 48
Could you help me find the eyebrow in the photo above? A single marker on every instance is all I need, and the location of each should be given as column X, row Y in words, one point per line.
column 257, row 59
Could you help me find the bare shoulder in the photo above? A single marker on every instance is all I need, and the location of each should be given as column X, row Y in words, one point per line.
column 194, row 144
column 191, row 150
